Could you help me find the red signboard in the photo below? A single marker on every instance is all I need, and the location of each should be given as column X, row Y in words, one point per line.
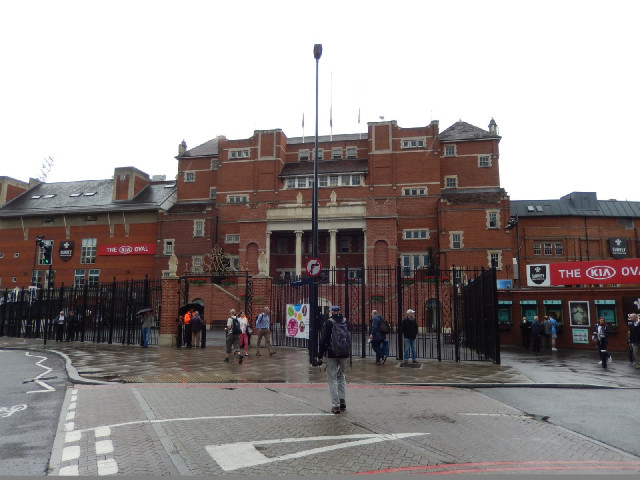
column 594, row 272
column 130, row 249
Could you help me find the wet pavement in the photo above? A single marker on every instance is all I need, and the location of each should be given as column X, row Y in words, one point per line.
column 92, row 363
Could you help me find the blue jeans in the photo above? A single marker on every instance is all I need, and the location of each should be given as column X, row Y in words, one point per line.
column 410, row 343
column 146, row 333
column 377, row 347
column 385, row 347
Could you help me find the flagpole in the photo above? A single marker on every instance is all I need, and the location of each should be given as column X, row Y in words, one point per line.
column 331, row 109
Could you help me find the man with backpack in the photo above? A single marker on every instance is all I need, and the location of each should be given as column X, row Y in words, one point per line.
column 233, row 330
column 377, row 335
column 335, row 341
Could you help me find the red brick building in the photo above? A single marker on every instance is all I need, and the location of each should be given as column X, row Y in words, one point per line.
column 99, row 229
column 417, row 194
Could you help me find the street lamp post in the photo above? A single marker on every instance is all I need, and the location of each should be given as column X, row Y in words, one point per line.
column 34, row 280
column 313, row 296
column 513, row 223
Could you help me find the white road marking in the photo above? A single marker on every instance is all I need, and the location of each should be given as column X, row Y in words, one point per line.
column 107, row 467
column 69, row 426
column 494, row 415
column 102, row 432
column 47, row 387
column 7, row 412
column 217, row 417
column 103, row 447
column 72, row 406
column 69, row 471
column 72, row 436
column 70, row 453
column 233, row 456
column 71, row 415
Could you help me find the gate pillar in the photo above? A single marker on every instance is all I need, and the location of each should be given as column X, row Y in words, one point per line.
column 261, row 294
column 169, row 312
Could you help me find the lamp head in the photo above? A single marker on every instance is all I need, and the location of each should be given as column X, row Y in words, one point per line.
column 317, row 51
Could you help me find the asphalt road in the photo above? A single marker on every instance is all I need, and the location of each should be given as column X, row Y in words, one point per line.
column 31, row 395
column 286, row 429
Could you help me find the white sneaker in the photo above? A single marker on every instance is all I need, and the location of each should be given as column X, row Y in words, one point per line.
column 554, row 349
column 610, row 360
column 600, row 362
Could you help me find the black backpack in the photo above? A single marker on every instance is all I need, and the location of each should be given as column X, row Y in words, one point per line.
column 340, row 342
column 384, row 326
column 235, row 326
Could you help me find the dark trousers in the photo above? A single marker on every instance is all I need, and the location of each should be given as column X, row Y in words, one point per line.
column 602, row 351
column 526, row 340
column 187, row 335
column 59, row 332
column 377, row 347
column 536, row 343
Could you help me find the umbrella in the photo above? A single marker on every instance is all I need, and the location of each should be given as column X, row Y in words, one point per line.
column 198, row 307
column 144, row 310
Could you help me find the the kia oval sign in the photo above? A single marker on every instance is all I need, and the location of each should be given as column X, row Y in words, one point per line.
column 125, row 249
column 600, row 272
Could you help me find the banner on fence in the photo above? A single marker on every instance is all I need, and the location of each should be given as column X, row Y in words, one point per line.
column 297, row 316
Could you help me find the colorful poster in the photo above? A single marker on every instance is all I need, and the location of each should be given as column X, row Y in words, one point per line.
column 297, row 318
column 580, row 335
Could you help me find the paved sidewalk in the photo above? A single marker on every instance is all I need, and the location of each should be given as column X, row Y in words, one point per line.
column 97, row 363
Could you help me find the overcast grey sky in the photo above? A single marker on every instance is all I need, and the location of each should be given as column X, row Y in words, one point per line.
column 101, row 84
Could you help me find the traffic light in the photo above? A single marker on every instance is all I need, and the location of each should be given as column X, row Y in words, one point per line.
column 46, row 254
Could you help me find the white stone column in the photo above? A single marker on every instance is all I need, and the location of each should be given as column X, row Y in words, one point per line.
column 364, row 240
column 333, row 255
column 298, row 252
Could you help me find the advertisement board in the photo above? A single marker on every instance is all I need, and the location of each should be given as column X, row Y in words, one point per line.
column 584, row 273
column 297, row 320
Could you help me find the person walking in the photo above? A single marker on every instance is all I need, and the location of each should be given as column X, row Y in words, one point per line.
column 70, row 321
column 409, row 330
column 335, row 342
column 525, row 331
column 187, row 327
column 196, row 329
column 546, row 334
column 244, row 335
column 147, row 323
column 594, row 337
column 59, row 322
column 634, row 338
column 600, row 335
column 377, row 337
column 554, row 332
column 262, row 326
column 233, row 336
column 536, row 327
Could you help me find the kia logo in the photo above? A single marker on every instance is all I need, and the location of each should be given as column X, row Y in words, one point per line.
column 601, row 272
column 125, row 249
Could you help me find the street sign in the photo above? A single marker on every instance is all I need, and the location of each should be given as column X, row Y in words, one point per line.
column 314, row 267
column 304, row 281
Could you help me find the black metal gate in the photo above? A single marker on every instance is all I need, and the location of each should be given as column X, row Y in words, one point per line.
column 456, row 309
column 105, row 313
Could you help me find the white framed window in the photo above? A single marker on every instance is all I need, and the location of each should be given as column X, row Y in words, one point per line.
column 232, row 238
column 94, row 277
column 352, row 152
column 189, row 176
column 414, row 191
column 455, row 240
column 234, row 262
column 196, row 263
column 355, row 180
column 345, row 180
column 416, row 234
column 494, row 259
column 548, row 250
column 418, row 142
column 239, row 153
column 345, row 244
column 290, row 183
column 320, row 154
column 336, row 153
column 303, row 156
column 493, row 219
column 333, row 180
column 169, row 244
column 88, row 252
column 78, row 278
column 198, row 228
column 301, row 182
column 237, row 199
column 411, row 262
column 537, row 249
column 213, row 192
column 559, row 249
column 214, row 164
column 451, row 181
column 323, row 181
column 449, row 150
column 484, row 161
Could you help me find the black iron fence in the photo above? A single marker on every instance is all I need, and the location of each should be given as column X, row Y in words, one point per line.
column 456, row 309
column 105, row 313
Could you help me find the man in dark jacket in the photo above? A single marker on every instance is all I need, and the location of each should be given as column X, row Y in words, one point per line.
column 634, row 338
column 377, row 337
column 409, row 330
column 335, row 366
column 536, row 328
column 525, row 330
